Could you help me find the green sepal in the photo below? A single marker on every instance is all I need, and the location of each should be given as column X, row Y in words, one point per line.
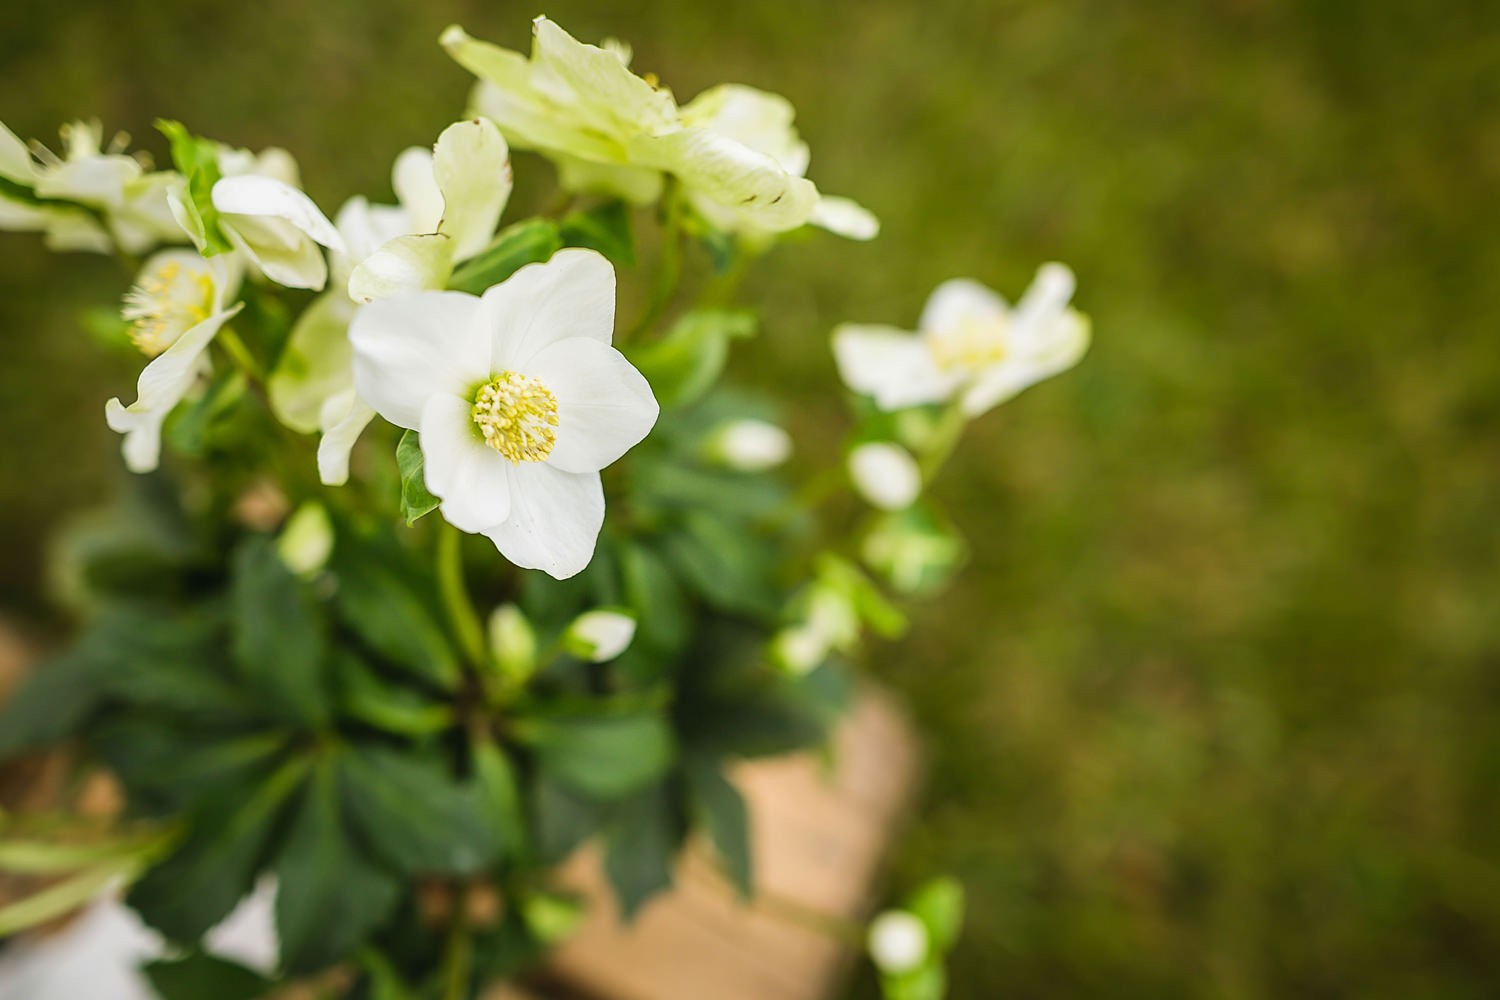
column 416, row 499
column 530, row 241
column 198, row 161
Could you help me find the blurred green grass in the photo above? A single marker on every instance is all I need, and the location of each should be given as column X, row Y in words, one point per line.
column 1214, row 712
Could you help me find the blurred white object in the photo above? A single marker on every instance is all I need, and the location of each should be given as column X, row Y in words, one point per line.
column 885, row 475
column 898, row 942
column 98, row 956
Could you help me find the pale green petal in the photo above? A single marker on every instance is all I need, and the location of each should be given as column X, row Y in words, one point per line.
column 15, row 160
column 530, row 121
column 845, row 217
column 471, row 165
column 636, row 185
column 596, row 82
column 98, row 181
column 1062, row 345
column 145, row 217
column 269, row 198
column 282, row 252
column 21, row 216
column 732, row 174
column 316, row 364
column 405, row 264
column 344, row 418
column 187, row 216
column 755, row 118
column 69, row 230
column 416, row 187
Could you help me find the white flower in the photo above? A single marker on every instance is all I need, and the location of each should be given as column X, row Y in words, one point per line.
column 614, row 132
column 970, row 345
column 763, row 122
column 519, row 399
column 118, row 203
column 885, row 475
column 898, row 942
column 598, row 636
column 750, row 445
column 264, row 216
column 451, row 197
column 175, row 309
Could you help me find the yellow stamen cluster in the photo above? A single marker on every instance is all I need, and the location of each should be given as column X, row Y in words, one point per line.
column 517, row 415
column 165, row 303
column 971, row 346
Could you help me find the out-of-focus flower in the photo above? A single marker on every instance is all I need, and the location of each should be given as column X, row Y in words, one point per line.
column 969, row 345
column 614, row 132
column 90, row 197
column 177, row 306
column 519, row 399
column 914, row 550
column 827, row 615
column 599, row 635
column 762, row 122
column 512, row 642
column 451, row 198
column 749, row 445
column 898, row 942
column 885, row 475
column 306, row 540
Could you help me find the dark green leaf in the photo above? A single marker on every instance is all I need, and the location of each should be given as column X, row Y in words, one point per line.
column 215, row 865
column 500, row 799
column 167, row 769
column 205, row 977
column 51, row 705
column 605, row 228
column 198, row 161
column 656, row 597
column 563, row 818
column 606, row 757
column 279, row 632
column 328, row 897
column 726, row 563
column 526, row 242
column 412, row 812
column 639, row 848
column 367, row 697
column 720, row 808
column 415, row 498
column 686, row 363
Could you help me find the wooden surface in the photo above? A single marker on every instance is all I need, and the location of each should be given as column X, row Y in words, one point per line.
column 819, row 831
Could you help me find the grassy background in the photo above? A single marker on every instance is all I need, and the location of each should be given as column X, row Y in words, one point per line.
column 1215, row 711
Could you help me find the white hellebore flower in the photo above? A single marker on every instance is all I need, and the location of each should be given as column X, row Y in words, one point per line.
column 519, row 399
column 600, row 635
column 451, row 197
column 749, row 445
column 266, row 217
column 970, row 345
column 616, row 133
column 898, row 942
column 885, row 475
column 175, row 309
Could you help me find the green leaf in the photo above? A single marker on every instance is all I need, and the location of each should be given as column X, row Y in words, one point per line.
column 367, row 697
column 328, row 897
column 167, row 768
column 500, row 799
column 215, row 865
column 606, row 757
column 929, row 982
column 720, row 808
column 639, row 849
column 563, row 818
column 729, row 564
column 416, row 500
column 279, row 632
column 51, row 704
column 382, row 596
column 412, row 812
column 198, row 161
column 656, row 597
column 527, row 242
column 688, row 360
column 206, row 977
column 939, row 904
column 605, row 228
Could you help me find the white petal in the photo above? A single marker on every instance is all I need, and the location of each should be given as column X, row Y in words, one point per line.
column 845, row 217
column 960, row 301
column 554, row 520
column 604, row 406
column 161, row 386
column 263, row 196
column 410, row 347
column 405, row 264
column 571, row 295
column 465, row 473
column 596, row 79
column 1058, row 347
column 343, row 418
column 365, row 228
column 96, row 180
column 885, row 475
column 1043, row 302
column 472, row 166
column 730, row 173
column 416, row 189
column 282, row 252
column 891, row 365
column 637, row 185
column 15, row 160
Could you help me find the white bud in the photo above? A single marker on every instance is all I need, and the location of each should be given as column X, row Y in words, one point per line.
column 897, row 942
column 306, row 540
column 750, row 445
column 599, row 635
column 799, row 650
column 512, row 642
column 885, row 475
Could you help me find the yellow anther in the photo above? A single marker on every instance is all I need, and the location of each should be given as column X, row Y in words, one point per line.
column 517, row 415
column 165, row 303
column 971, row 346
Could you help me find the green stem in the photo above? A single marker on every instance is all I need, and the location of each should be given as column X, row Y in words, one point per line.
column 945, row 437
column 459, row 954
column 455, row 595
column 668, row 264
column 240, row 355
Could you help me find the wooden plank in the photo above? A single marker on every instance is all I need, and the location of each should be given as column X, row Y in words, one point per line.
column 819, row 834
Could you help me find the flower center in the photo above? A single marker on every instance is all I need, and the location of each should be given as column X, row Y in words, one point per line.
column 165, row 303
column 971, row 346
column 518, row 416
